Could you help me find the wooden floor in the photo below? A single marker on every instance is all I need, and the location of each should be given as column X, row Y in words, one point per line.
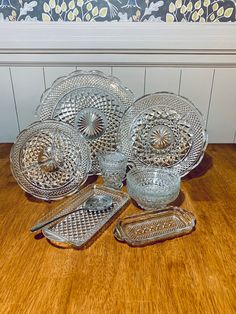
column 192, row 274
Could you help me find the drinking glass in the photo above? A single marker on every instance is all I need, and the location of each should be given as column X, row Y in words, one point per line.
column 113, row 168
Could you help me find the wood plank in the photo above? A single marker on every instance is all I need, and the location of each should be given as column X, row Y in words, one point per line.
column 53, row 73
column 131, row 77
column 222, row 115
column 8, row 118
column 104, row 69
column 162, row 80
column 196, row 86
column 192, row 274
column 28, row 85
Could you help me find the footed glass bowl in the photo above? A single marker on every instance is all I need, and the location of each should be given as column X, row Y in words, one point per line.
column 153, row 188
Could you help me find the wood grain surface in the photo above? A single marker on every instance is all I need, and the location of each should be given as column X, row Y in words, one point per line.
column 191, row 274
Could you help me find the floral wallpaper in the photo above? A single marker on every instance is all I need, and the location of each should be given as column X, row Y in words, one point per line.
column 119, row 10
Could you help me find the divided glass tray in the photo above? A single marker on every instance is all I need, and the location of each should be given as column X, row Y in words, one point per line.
column 79, row 227
column 50, row 160
column 150, row 227
column 93, row 103
column 163, row 130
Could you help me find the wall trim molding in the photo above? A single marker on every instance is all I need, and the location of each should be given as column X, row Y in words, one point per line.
column 124, row 43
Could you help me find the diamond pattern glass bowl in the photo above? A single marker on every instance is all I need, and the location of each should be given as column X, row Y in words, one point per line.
column 153, row 188
column 163, row 130
column 92, row 102
column 50, row 160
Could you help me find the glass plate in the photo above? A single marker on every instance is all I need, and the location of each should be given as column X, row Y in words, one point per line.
column 79, row 227
column 151, row 227
column 92, row 102
column 163, row 130
column 50, row 160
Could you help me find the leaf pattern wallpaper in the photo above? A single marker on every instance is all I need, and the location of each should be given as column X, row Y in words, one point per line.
column 119, row 10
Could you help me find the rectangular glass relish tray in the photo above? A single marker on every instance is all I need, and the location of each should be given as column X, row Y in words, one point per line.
column 150, row 227
column 79, row 222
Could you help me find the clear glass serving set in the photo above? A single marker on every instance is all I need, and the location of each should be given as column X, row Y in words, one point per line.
column 89, row 124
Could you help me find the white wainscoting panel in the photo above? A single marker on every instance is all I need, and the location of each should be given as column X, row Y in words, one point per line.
column 8, row 118
column 131, row 77
column 196, row 85
column 53, row 73
column 195, row 60
column 211, row 90
column 162, row 80
column 222, row 114
column 106, row 70
column 28, row 85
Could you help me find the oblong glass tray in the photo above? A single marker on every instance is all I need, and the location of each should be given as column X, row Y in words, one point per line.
column 93, row 103
column 79, row 227
column 150, row 227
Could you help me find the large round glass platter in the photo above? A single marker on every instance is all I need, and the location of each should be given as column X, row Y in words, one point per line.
column 93, row 103
column 50, row 160
column 163, row 130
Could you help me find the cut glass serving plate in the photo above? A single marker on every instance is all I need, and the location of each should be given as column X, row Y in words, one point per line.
column 80, row 226
column 50, row 160
column 92, row 102
column 151, row 227
column 163, row 130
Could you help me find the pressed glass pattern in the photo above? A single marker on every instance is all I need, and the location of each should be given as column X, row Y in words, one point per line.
column 150, row 227
column 50, row 160
column 152, row 188
column 92, row 102
column 163, row 130
column 113, row 168
column 79, row 227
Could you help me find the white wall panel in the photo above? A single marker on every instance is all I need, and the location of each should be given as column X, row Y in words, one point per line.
column 52, row 73
column 196, row 86
column 131, row 77
column 28, row 85
column 222, row 114
column 8, row 117
column 162, row 80
column 106, row 70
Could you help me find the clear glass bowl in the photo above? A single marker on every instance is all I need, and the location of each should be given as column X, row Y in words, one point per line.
column 153, row 188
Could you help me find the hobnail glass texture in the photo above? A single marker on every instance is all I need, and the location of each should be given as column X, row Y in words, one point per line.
column 151, row 227
column 153, row 188
column 92, row 102
column 79, row 227
column 50, row 160
column 163, row 130
column 113, row 168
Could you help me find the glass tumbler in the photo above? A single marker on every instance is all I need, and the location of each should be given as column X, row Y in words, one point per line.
column 113, row 168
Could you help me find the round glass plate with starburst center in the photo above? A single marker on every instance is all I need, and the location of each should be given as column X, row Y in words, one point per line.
column 93, row 103
column 163, row 130
column 50, row 160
